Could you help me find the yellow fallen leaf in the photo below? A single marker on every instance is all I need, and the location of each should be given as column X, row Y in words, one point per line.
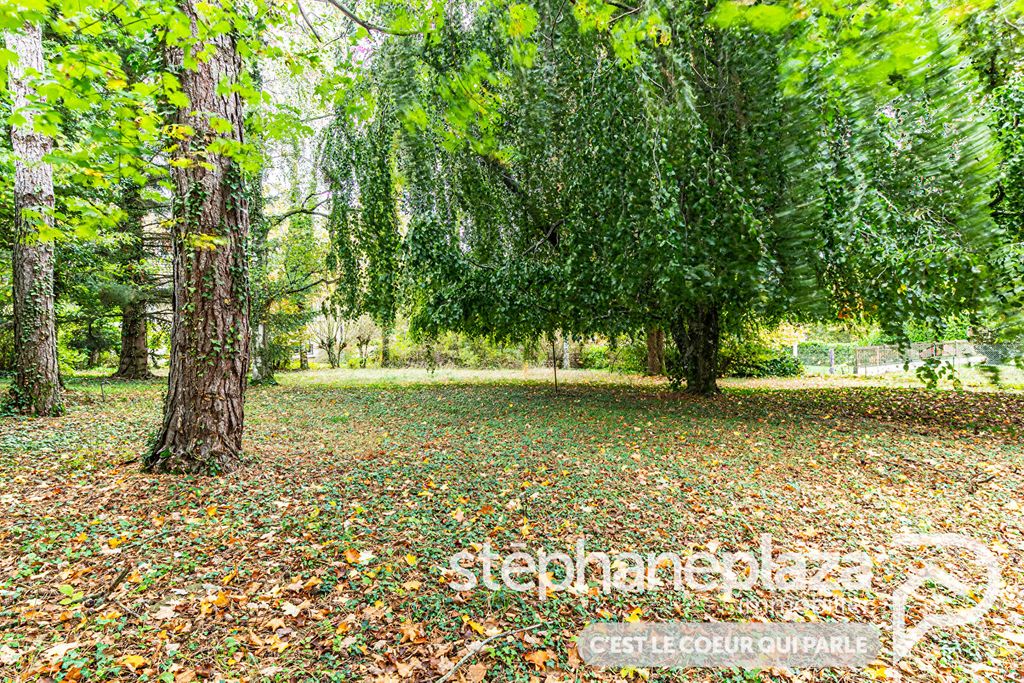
column 878, row 672
column 134, row 662
column 472, row 624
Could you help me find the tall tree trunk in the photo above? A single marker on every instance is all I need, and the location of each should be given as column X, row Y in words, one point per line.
column 262, row 357
column 385, row 348
column 37, row 387
column 304, row 356
column 697, row 338
column 133, row 362
column 655, row 351
column 203, row 412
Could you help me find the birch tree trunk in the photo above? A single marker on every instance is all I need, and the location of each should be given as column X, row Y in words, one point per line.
column 203, row 411
column 36, row 389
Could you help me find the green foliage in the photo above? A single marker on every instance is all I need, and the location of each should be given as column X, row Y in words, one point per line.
column 627, row 357
column 742, row 358
column 810, row 161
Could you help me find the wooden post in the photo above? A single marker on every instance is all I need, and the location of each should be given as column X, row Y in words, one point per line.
column 831, row 361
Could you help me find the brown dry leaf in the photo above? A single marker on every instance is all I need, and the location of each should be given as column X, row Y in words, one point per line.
column 539, row 657
column 573, row 657
column 410, row 631
column 405, row 669
column 57, row 652
column 165, row 612
column 476, row 672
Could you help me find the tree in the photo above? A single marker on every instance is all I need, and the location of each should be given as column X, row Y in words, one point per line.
column 204, row 408
column 133, row 358
column 330, row 332
column 37, row 386
column 655, row 351
column 662, row 167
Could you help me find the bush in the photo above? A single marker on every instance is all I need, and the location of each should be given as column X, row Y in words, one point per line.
column 594, row 357
column 626, row 357
column 749, row 359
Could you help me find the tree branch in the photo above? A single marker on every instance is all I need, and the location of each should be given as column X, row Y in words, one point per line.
column 370, row 26
column 302, row 11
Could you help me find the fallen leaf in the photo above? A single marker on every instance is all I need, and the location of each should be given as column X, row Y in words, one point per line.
column 538, row 658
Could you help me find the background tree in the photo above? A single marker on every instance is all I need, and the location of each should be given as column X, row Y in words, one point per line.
column 609, row 171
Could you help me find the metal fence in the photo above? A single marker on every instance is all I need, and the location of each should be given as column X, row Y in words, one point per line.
column 883, row 359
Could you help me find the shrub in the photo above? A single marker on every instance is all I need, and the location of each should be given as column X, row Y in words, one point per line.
column 594, row 357
column 749, row 359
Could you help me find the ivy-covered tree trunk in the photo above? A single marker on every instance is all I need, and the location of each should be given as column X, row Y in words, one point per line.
column 262, row 357
column 203, row 412
column 37, row 388
column 697, row 337
column 133, row 362
column 655, row 351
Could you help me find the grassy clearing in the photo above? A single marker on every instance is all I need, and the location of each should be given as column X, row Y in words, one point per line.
column 326, row 557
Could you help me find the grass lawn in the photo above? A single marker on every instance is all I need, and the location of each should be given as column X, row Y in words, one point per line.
column 327, row 557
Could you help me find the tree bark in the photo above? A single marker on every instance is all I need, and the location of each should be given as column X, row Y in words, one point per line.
column 303, row 357
column 259, row 226
column 203, row 412
column 385, row 348
column 37, row 387
column 134, row 359
column 262, row 362
column 133, row 362
column 655, row 351
column 697, row 337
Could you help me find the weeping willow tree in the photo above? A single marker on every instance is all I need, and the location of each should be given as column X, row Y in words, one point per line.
column 688, row 165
